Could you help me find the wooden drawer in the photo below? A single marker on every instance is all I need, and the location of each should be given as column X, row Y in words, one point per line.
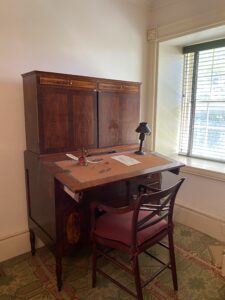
column 118, row 87
column 60, row 82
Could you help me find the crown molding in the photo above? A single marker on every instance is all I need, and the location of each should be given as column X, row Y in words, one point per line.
column 189, row 25
column 157, row 4
column 146, row 3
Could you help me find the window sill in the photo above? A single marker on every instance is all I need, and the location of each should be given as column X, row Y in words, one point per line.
column 201, row 167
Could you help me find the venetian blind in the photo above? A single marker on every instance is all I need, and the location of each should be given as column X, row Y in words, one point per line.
column 202, row 131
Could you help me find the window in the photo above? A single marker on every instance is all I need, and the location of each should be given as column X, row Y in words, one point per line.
column 202, row 131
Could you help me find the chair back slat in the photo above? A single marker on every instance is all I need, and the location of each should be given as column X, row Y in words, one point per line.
column 152, row 222
column 160, row 206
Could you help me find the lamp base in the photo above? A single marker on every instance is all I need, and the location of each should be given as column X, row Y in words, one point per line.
column 140, row 152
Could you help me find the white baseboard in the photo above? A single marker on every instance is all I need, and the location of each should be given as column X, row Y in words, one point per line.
column 205, row 223
column 16, row 244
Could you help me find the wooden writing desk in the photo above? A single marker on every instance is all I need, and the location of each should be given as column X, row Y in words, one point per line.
column 63, row 113
column 60, row 192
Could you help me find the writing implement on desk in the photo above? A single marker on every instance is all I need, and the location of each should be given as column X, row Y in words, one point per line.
column 93, row 161
column 104, row 170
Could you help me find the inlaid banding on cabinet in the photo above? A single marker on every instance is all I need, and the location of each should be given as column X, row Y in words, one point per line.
column 118, row 87
column 68, row 82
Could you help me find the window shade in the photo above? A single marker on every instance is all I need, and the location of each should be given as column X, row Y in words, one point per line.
column 203, row 108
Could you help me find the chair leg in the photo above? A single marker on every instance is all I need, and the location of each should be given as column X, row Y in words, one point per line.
column 172, row 260
column 94, row 261
column 135, row 267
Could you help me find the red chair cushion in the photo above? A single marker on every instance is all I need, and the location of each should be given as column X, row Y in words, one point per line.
column 119, row 227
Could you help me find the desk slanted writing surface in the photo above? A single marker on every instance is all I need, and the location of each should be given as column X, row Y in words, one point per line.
column 109, row 170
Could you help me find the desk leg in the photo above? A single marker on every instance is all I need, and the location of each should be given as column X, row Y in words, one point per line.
column 128, row 194
column 32, row 242
column 59, row 272
column 59, row 207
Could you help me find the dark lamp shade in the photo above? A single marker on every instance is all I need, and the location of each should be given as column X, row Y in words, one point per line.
column 143, row 128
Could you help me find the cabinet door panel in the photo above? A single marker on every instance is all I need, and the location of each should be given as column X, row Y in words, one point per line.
column 129, row 118
column 109, row 119
column 41, row 201
column 84, row 110
column 53, row 118
column 118, row 118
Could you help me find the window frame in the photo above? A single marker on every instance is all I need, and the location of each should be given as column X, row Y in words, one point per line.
column 195, row 49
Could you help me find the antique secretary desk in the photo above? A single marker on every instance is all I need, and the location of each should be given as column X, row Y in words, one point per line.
column 64, row 113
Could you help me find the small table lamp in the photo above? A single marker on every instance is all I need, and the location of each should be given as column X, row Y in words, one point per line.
column 143, row 129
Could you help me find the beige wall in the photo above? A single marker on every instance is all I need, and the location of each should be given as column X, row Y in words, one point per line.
column 102, row 38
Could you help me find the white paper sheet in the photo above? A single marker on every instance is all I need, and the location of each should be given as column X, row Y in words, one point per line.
column 126, row 160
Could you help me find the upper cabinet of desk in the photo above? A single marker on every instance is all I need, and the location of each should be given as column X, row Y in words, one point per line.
column 67, row 112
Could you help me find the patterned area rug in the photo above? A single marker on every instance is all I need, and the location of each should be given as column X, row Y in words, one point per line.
column 26, row 277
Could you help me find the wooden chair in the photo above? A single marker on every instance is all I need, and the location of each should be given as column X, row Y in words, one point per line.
column 133, row 229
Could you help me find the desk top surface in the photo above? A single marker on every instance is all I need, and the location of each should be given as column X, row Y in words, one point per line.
column 105, row 169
